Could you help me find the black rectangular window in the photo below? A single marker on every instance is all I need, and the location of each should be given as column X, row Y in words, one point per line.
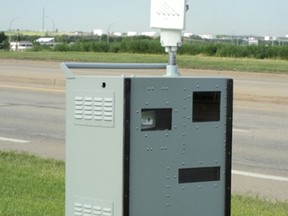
column 205, row 174
column 156, row 119
column 206, row 106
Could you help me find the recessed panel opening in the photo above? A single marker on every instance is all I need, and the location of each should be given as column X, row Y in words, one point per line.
column 193, row 175
column 156, row 119
column 206, row 106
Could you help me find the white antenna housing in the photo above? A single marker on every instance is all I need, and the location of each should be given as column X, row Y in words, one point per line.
column 168, row 14
column 169, row 17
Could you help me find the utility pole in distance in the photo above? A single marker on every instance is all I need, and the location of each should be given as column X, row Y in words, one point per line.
column 43, row 19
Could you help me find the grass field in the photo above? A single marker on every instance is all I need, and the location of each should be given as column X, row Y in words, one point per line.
column 31, row 186
column 184, row 61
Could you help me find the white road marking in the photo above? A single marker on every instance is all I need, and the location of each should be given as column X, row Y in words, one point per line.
column 13, row 140
column 240, row 130
column 261, row 176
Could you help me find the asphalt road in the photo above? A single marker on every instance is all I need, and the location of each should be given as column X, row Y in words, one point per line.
column 32, row 113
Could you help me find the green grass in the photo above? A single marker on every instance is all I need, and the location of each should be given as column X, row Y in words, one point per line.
column 184, row 61
column 84, row 57
column 251, row 206
column 31, row 186
column 234, row 64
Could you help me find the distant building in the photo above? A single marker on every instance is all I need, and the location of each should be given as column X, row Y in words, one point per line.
column 117, row 34
column 132, row 34
column 267, row 38
column 98, row 32
column 20, row 46
column 149, row 34
column 79, row 33
column 46, row 41
column 253, row 41
column 187, row 35
column 208, row 36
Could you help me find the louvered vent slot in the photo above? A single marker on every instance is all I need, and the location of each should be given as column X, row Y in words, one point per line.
column 88, row 108
column 98, row 109
column 108, row 109
column 95, row 109
column 94, row 208
column 79, row 107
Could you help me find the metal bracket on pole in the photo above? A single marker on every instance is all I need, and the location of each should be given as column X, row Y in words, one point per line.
column 172, row 68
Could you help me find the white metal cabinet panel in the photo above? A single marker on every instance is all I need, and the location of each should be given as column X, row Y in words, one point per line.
column 94, row 146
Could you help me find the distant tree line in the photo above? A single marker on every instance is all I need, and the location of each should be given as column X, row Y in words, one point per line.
column 153, row 46
column 4, row 44
column 124, row 46
column 143, row 44
column 235, row 51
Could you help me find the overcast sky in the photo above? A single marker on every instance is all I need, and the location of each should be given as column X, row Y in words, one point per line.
column 258, row 17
